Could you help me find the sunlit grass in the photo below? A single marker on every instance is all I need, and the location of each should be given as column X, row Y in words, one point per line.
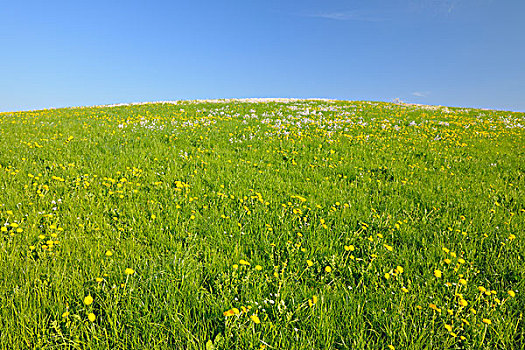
column 298, row 225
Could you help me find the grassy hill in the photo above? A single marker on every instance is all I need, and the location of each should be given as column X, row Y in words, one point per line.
column 262, row 224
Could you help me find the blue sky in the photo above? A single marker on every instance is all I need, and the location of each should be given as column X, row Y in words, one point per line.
column 447, row 52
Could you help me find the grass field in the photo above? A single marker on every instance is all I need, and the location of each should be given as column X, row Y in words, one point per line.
column 278, row 225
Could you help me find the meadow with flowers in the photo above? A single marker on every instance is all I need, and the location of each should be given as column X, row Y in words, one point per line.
column 262, row 224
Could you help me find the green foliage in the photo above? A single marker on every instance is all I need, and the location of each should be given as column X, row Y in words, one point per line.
column 234, row 225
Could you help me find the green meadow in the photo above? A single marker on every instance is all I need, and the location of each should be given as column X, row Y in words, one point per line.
column 300, row 224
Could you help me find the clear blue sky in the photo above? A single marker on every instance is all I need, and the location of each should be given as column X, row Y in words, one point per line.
column 448, row 52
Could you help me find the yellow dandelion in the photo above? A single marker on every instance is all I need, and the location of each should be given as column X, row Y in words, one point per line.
column 463, row 302
column 511, row 293
column 328, row 269
column 448, row 327
column 91, row 317
column 438, row 273
column 109, row 253
column 258, row 267
column 243, row 262
column 255, row 319
column 309, row 262
column 349, row 248
column 88, row 300
column 129, row 271
column 487, row 321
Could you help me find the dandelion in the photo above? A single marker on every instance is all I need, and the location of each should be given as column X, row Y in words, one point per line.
column 129, row 271
column 328, row 269
column 487, row 321
column 109, row 253
column 448, row 327
column 65, row 314
column 309, row 262
column 437, row 273
column 511, row 293
column 88, row 300
column 258, row 267
column 349, row 248
column 91, row 317
column 463, row 302
column 244, row 262
column 255, row 319
column 463, row 282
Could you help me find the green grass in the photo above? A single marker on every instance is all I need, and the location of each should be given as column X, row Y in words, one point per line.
column 226, row 211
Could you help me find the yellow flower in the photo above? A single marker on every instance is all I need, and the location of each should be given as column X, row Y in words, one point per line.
column 328, row 269
column 437, row 273
column 129, row 271
column 309, row 262
column 255, row 319
column 243, row 262
column 448, row 261
column 228, row 313
column 349, row 248
column 448, row 327
column 99, row 279
column 463, row 282
column 91, row 317
column 258, row 267
column 109, row 253
column 511, row 293
column 482, row 289
column 399, row 269
column 463, row 302
column 391, row 347
column 88, row 300
column 65, row 314
column 387, row 276
column 487, row 321
column 404, row 290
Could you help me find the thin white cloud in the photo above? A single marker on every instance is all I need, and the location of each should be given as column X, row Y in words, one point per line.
column 346, row 16
column 420, row 94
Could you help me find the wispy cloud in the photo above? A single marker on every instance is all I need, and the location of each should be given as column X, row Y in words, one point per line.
column 420, row 93
column 346, row 16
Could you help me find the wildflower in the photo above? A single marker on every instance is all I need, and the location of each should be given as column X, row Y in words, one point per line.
column 511, row 293
column 65, row 314
column 109, row 253
column 91, row 317
column 88, row 300
column 434, row 307
column 349, row 248
column 463, row 282
column 129, row 271
column 99, row 279
column 404, row 290
column 387, row 276
column 309, row 262
column 487, row 321
column 243, row 262
column 235, row 266
column 448, row 261
column 482, row 289
column 399, row 269
column 437, row 273
column 255, row 319
column 448, row 327
column 328, row 269
column 463, row 302
column 391, row 347
column 258, row 267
